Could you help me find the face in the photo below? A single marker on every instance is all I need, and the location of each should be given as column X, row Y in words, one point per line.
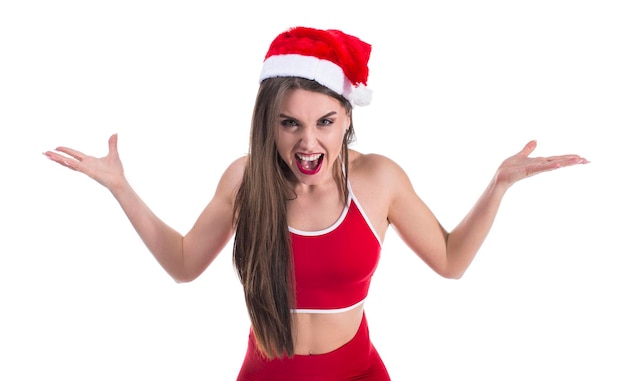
column 310, row 134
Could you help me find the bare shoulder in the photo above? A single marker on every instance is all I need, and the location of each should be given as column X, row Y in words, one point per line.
column 374, row 168
column 237, row 167
column 231, row 178
column 376, row 181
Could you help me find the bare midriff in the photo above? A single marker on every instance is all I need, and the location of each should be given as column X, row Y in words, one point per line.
column 319, row 333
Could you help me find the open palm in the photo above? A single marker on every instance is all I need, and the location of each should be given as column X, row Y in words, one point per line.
column 520, row 165
column 107, row 170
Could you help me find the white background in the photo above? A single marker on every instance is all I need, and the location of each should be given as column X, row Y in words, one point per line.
column 458, row 87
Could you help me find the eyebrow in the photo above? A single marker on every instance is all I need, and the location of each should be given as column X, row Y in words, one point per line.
column 332, row 113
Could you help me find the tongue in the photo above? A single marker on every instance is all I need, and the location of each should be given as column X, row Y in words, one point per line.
column 309, row 165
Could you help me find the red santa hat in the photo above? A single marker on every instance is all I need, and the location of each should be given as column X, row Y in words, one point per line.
column 330, row 57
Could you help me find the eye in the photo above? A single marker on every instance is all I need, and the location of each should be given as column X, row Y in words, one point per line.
column 326, row 122
column 288, row 123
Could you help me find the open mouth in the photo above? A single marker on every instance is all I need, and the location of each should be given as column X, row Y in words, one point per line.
column 309, row 164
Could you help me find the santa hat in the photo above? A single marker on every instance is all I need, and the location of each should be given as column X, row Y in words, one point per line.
column 330, row 57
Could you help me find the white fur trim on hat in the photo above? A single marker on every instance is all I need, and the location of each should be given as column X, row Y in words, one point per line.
column 360, row 96
column 324, row 72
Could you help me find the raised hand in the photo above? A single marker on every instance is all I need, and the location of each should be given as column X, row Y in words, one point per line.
column 520, row 165
column 107, row 170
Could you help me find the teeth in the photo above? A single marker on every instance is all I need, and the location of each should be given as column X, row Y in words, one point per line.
column 309, row 157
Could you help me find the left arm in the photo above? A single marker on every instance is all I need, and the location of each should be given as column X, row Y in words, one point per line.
column 450, row 253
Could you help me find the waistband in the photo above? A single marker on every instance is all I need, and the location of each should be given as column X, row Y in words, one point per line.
column 356, row 358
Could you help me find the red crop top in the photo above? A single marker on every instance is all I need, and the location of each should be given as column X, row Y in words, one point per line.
column 334, row 266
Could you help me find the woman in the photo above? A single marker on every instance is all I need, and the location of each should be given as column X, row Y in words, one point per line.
column 309, row 214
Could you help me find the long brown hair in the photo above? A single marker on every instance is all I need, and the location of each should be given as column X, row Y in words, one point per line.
column 262, row 244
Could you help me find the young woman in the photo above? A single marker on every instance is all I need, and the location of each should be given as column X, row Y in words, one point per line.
column 309, row 214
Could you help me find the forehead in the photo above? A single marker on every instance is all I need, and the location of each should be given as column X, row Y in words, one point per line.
column 311, row 104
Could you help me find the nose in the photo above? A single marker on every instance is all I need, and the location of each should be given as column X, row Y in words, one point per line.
column 308, row 138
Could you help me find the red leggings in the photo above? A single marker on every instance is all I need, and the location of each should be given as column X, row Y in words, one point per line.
column 356, row 360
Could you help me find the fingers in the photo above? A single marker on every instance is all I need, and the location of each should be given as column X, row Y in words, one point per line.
column 543, row 164
column 570, row 159
column 79, row 156
column 566, row 160
column 113, row 144
column 72, row 152
column 552, row 161
column 63, row 160
column 528, row 148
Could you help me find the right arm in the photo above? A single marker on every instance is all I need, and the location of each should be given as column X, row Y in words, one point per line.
column 183, row 257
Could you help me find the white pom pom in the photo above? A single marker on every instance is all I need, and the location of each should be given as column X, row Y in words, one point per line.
column 360, row 96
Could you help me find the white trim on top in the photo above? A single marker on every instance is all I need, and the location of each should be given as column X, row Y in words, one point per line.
column 367, row 220
column 313, row 233
column 326, row 311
